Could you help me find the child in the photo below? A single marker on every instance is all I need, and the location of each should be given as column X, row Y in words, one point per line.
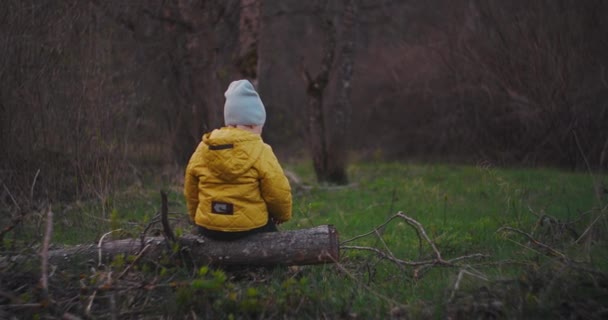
column 234, row 184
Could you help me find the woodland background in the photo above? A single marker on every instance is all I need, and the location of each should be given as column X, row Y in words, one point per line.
column 94, row 93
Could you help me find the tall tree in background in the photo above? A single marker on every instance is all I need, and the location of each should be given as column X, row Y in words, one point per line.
column 329, row 105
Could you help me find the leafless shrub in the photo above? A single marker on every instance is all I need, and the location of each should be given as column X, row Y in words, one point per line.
column 529, row 77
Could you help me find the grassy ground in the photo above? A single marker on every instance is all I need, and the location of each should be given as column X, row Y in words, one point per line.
column 462, row 209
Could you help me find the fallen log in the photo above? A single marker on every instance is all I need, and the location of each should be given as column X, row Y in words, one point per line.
column 316, row 245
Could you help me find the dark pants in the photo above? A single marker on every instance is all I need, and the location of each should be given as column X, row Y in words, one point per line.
column 228, row 236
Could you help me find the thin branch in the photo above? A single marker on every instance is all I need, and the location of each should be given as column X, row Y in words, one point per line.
column 466, row 257
column 592, row 224
column 33, row 185
column 536, row 242
column 387, row 256
column 142, row 237
column 371, row 232
column 379, row 235
column 100, row 243
column 580, row 149
column 421, row 233
column 11, row 196
column 163, row 218
column 87, row 310
column 141, row 253
column 44, row 254
column 463, row 272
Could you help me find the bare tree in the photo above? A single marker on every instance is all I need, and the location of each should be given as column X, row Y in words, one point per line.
column 329, row 106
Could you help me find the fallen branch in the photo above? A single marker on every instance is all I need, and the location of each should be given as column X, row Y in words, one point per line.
column 100, row 246
column 422, row 235
column 11, row 196
column 141, row 253
column 550, row 250
column 44, row 255
column 33, row 185
column 463, row 272
column 389, row 256
column 590, row 226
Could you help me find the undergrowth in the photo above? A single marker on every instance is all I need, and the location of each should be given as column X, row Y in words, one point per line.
column 542, row 233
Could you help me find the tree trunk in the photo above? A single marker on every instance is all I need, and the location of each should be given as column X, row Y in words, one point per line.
column 329, row 107
column 316, row 245
column 317, row 123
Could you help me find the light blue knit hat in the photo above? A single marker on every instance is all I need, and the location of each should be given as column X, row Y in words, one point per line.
column 243, row 105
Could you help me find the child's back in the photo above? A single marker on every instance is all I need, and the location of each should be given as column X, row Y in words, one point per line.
column 234, row 184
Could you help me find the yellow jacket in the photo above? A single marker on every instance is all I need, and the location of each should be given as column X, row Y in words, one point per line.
column 234, row 182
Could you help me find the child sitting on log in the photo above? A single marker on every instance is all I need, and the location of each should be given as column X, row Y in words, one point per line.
column 234, row 185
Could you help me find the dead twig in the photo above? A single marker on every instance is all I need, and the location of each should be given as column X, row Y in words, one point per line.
column 374, row 231
column 11, row 196
column 143, row 234
column 44, row 254
column 90, row 303
column 163, row 218
column 141, row 253
column 33, row 185
column 421, row 232
column 590, row 226
column 100, row 244
column 390, row 257
column 549, row 249
column 422, row 235
column 461, row 274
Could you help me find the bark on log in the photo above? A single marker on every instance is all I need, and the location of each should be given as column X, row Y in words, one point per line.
column 316, row 245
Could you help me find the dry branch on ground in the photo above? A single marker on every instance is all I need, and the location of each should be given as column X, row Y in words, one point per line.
column 386, row 253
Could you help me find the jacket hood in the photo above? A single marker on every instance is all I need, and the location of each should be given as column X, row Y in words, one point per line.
column 230, row 152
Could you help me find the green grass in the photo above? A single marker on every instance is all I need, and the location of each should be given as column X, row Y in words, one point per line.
column 470, row 202
column 461, row 208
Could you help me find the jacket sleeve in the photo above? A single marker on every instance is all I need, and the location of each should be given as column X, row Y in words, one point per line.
column 191, row 186
column 275, row 188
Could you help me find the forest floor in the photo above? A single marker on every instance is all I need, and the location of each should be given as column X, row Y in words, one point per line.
column 417, row 241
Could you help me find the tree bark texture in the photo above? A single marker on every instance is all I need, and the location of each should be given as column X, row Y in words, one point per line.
column 341, row 109
column 318, row 245
column 317, row 123
column 329, row 106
